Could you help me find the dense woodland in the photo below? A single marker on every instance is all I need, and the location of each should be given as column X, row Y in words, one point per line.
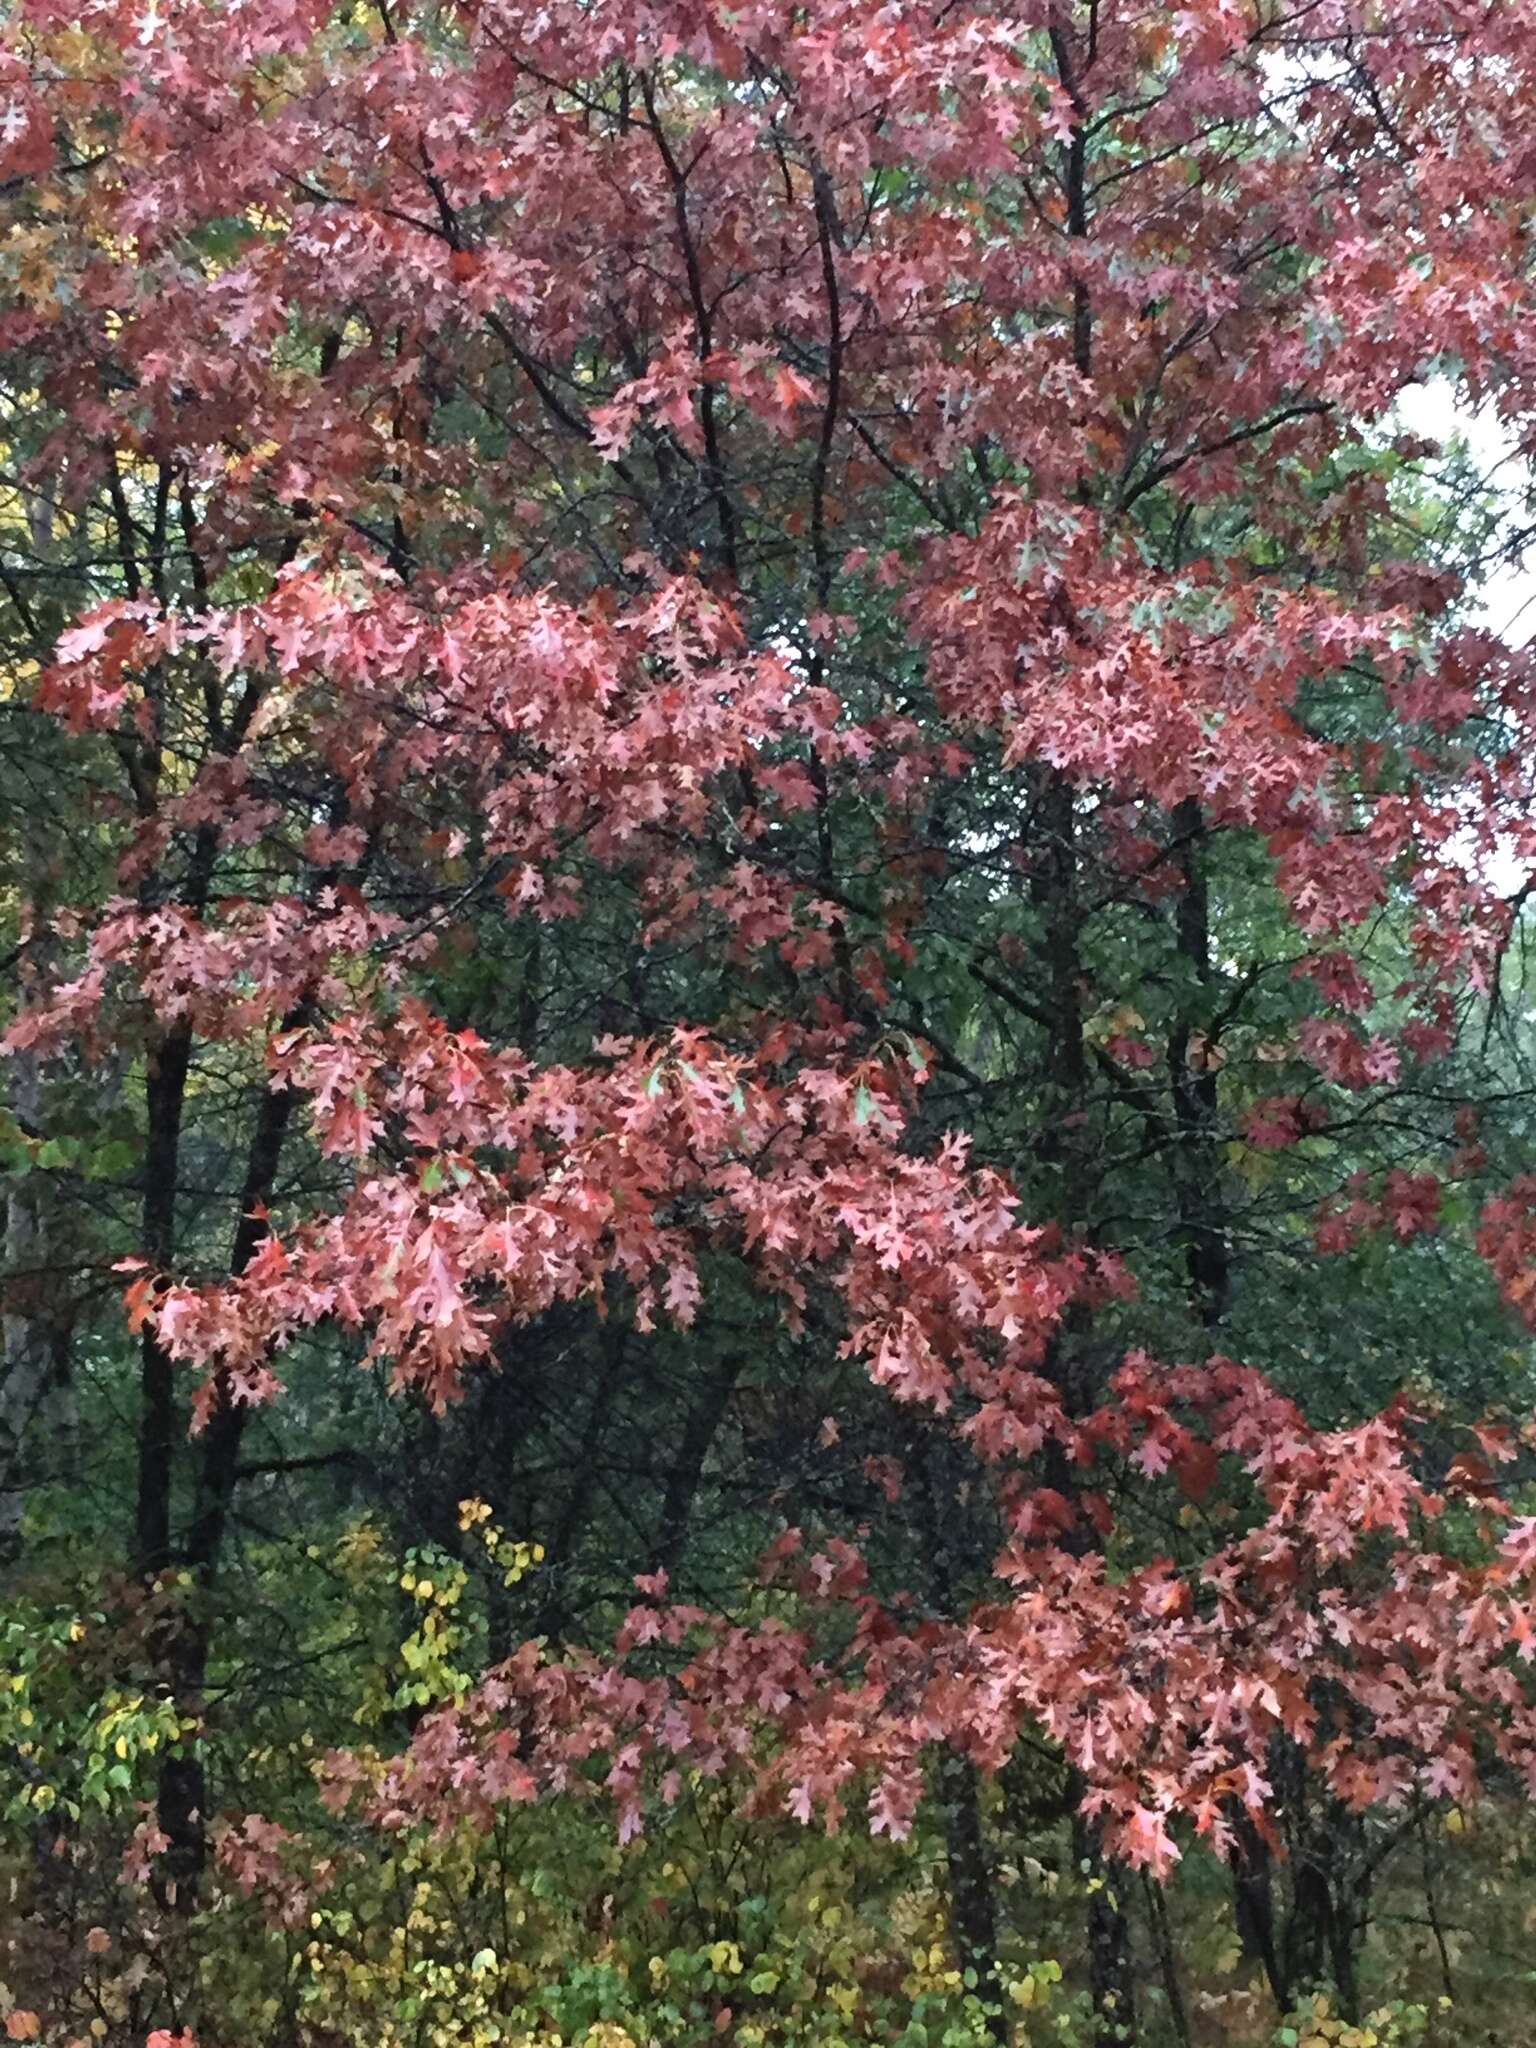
column 770, row 1071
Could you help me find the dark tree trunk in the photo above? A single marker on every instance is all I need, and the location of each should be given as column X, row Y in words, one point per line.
column 186, row 1638
column 947, row 1539
column 973, row 1901
column 1111, row 1961
column 1253, row 1901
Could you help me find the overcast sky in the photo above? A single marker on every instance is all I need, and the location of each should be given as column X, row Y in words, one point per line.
column 1507, row 602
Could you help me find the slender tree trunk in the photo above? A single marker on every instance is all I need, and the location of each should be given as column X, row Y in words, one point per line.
column 1308, row 1931
column 182, row 1803
column 973, row 1899
column 1253, row 1901
column 164, row 1095
column 1111, row 1968
column 972, row 1893
column 178, row 1810
column 1111, row 1963
column 1167, row 1957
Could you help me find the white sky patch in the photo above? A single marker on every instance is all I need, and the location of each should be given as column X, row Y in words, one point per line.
column 1506, row 603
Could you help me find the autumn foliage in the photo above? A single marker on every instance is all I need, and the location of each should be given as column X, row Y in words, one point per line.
column 775, row 684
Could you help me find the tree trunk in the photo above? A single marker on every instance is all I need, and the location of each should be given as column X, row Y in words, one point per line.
column 1253, row 1902
column 185, row 1638
column 1111, row 1963
column 972, row 1894
column 973, row 1901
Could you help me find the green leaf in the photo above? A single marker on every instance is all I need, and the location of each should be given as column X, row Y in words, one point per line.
column 108, row 1162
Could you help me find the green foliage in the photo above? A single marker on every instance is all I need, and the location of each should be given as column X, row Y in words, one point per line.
column 72, row 1749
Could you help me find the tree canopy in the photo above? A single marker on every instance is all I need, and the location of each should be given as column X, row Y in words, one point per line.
column 768, row 1031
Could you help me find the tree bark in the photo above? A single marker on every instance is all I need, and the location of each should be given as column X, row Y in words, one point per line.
column 182, row 1801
